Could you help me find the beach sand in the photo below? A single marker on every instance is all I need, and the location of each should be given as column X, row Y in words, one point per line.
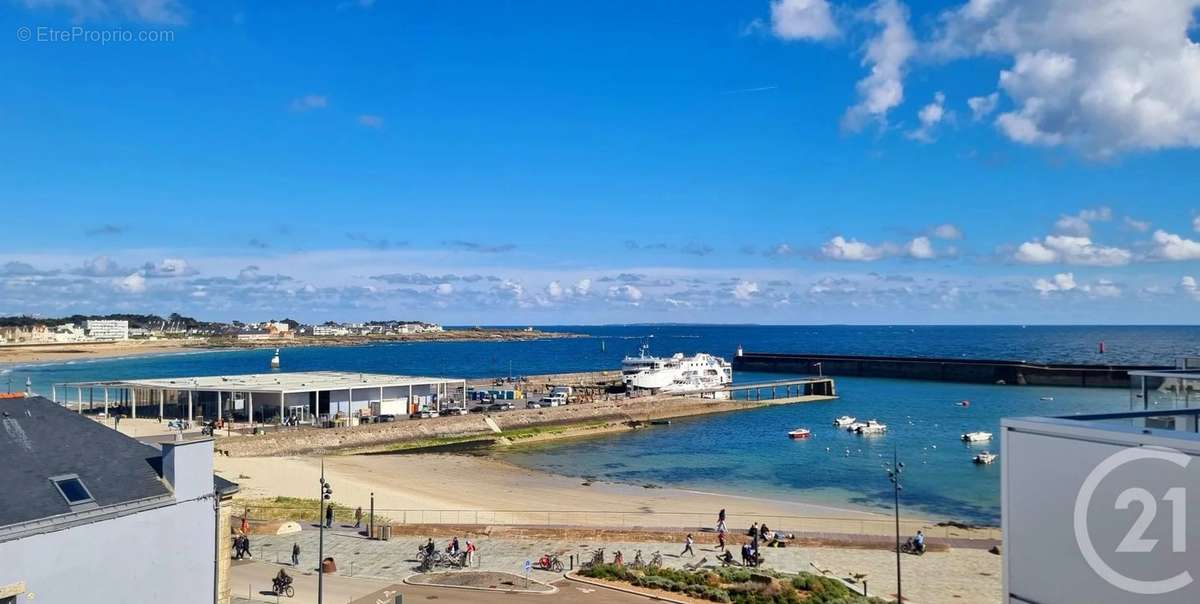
column 50, row 353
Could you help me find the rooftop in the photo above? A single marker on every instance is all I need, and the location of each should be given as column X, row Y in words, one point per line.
column 300, row 381
column 40, row 440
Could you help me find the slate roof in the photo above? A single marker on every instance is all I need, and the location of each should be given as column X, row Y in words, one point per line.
column 40, row 439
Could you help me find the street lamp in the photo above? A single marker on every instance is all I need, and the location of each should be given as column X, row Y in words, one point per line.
column 894, row 473
column 326, row 495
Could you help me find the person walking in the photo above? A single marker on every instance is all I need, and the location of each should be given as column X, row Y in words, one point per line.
column 295, row 553
column 470, row 553
column 329, row 516
column 721, row 535
column 687, row 546
column 358, row 517
column 721, row 516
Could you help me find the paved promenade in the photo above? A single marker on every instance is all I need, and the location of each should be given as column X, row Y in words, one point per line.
column 960, row 576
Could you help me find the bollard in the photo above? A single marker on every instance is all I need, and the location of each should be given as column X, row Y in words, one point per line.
column 572, row 561
column 865, row 588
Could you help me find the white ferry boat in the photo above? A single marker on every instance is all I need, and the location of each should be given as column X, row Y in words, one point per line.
column 677, row 373
column 977, row 437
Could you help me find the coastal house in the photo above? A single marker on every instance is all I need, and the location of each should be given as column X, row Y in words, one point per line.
column 107, row 329
column 88, row 514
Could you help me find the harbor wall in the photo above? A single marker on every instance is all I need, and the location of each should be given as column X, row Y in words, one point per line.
column 976, row 371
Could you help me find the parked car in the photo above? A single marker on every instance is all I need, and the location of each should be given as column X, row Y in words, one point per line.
column 478, row 408
column 533, row 405
column 502, row 406
column 455, row 411
column 424, row 414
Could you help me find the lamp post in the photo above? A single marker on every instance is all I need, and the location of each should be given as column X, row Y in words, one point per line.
column 326, row 495
column 819, row 370
column 894, row 472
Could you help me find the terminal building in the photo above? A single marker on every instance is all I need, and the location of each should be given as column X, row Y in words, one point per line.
column 322, row 397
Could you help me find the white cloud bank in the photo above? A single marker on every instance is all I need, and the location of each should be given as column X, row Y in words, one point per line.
column 803, row 20
column 1070, row 249
column 887, row 55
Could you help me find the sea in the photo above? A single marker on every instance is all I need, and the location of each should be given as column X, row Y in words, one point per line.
column 749, row 453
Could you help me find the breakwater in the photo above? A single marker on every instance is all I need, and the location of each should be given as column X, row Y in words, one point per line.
column 977, row 371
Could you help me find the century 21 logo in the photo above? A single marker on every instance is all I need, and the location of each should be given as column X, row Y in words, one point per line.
column 1134, row 541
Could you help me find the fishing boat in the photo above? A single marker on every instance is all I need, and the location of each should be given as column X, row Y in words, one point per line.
column 985, row 457
column 872, row 427
column 844, row 421
column 977, row 437
column 799, row 433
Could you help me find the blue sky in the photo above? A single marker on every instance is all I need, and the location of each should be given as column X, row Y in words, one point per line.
column 787, row 161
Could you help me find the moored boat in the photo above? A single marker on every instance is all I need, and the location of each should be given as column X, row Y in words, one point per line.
column 976, row 437
column 853, row 427
column 985, row 457
column 799, row 433
column 872, row 427
column 844, row 421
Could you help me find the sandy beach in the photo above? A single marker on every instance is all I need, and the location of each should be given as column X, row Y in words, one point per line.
column 51, row 353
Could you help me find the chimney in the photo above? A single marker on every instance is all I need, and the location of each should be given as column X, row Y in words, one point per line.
column 188, row 467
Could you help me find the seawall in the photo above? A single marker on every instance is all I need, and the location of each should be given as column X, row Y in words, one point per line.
column 977, row 371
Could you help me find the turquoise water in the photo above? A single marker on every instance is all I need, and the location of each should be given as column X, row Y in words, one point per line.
column 749, row 452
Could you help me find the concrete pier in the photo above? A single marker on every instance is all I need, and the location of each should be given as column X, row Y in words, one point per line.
column 945, row 370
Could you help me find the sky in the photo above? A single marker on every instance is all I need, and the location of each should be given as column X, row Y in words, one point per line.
column 529, row 162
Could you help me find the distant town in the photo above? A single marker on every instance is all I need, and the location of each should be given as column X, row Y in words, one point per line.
column 107, row 328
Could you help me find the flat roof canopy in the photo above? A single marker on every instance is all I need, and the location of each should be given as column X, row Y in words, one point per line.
column 300, row 381
column 1168, row 373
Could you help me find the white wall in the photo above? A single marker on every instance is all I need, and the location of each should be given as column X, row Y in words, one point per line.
column 162, row 555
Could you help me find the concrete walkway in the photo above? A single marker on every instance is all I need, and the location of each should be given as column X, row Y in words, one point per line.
column 960, row 576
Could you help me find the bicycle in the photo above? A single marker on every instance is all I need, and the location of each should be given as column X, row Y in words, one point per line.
column 655, row 560
column 638, row 563
column 597, row 558
column 550, row 562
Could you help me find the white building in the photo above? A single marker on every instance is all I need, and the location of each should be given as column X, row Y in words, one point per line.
column 108, row 329
column 107, row 518
column 329, row 330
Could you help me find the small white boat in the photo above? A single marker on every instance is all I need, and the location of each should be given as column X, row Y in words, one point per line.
column 985, row 457
column 872, row 427
column 844, row 421
column 1047, row 398
column 977, row 437
column 963, row 403
column 800, row 433
column 853, row 427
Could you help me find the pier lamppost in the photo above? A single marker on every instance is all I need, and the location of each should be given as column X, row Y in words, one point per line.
column 326, row 495
column 894, row 472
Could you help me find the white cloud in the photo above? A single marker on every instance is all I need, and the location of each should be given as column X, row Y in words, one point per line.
column 1102, row 76
column 1065, row 282
column 1169, row 246
column 1188, row 285
column 947, row 231
column 625, row 293
column 554, row 289
column 920, row 248
column 745, row 290
column 149, row 11
column 1081, row 224
column 983, row 106
column 309, row 102
column 930, row 116
column 444, row 289
column 840, row 248
column 1071, row 250
column 1196, row 224
column 802, row 20
column 135, row 283
column 887, row 54
column 370, row 121
column 1140, row 226
column 582, row 287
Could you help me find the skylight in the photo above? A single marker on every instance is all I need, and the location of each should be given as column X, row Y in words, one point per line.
column 72, row 489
